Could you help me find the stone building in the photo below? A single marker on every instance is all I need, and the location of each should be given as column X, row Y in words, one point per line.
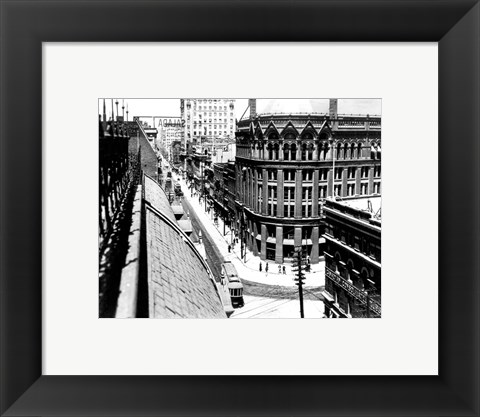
column 353, row 257
column 208, row 118
column 170, row 130
column 287, row 164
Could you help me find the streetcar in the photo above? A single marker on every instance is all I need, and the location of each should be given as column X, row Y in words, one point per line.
column 230, row 278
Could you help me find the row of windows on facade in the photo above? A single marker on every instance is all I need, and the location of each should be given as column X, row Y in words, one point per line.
column 306, row 152
column 353, row 240
column 289, row 201
column 215, row 127
column 209, row 133
column 289, row 175
column 285, row 232
column 205, row 115
column 209, row 107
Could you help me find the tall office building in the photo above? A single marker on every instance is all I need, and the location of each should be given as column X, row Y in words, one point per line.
column 207, row 119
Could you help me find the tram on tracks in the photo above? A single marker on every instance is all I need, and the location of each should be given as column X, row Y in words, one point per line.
column 230, row 278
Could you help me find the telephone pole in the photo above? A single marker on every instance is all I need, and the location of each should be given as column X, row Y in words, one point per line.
column 298, row 266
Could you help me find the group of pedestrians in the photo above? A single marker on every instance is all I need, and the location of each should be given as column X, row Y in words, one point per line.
column 281, row 268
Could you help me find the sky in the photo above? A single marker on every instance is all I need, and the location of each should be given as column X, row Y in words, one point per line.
column 171, row 107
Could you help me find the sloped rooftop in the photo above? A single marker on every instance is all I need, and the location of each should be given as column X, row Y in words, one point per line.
column 180, row 282
column 156, row 197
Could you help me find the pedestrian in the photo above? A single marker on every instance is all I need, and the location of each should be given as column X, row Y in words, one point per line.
column 279, row 269
column 266, row 268
column 236, row 239
column 260, row 267
column 229, row 248
column 284, row 271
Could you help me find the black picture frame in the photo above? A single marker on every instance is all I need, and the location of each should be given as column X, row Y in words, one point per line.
column 454, row 24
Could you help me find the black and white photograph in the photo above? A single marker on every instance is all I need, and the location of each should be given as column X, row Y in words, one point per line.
column 240, row 208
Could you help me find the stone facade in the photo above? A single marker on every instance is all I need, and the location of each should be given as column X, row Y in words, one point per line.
column 209, row 118
column 287, row 165
column 353, row 258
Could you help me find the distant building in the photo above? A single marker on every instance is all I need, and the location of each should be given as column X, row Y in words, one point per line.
column 208, row 118
column 176, row 152
column 353, row 257
column 170, row 131
column 287, row 164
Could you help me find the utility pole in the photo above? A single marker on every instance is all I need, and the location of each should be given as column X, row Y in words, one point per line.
column 298, row 266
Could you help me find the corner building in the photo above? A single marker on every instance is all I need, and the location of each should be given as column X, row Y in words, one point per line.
column 288, row 164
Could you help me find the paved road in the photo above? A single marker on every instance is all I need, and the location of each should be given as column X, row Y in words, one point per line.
column 277, row 291
column 215, row 259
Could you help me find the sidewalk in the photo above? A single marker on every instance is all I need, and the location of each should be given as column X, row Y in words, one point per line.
column 249, row 270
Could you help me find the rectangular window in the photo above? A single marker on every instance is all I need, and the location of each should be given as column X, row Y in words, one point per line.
column 289, row 194
column 306, row 193
column 272, row 192
column 322, row 191
column 338, row 173
column 356, row 243
column 307, row 175
column 259, row 199
column 289, row 175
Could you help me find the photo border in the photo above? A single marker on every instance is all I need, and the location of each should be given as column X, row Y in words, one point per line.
column 454, row 24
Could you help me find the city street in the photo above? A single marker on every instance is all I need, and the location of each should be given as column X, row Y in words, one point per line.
column 272, row 295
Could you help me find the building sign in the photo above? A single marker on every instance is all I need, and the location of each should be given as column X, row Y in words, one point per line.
column 171, row 122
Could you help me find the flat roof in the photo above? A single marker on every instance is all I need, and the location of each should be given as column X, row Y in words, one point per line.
column 367, row 203
column 367, row 207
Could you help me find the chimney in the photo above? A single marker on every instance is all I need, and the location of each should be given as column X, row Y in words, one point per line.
column 333, row 112
column 333, row 108
column 252, row 103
